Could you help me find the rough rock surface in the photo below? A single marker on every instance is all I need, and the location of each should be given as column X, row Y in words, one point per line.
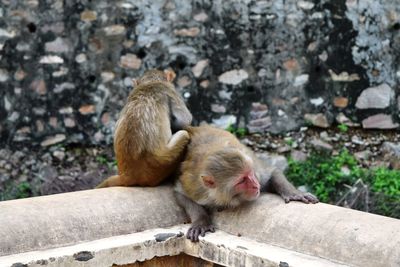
column 375, row 97
column 379, row 121
column 66, row 66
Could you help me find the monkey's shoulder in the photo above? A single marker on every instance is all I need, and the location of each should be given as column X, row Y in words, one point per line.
column 153, row 89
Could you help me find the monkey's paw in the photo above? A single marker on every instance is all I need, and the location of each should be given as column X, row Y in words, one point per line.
column 199, row 230
column 300, row 196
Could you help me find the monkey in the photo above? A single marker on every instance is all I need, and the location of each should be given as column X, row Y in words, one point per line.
column 146, row 151
column 219, row 172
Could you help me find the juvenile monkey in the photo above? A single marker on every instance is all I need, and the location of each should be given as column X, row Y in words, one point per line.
column 220, row 172
column 144, row 146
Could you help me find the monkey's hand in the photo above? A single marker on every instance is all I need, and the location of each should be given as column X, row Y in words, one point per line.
column 199, row 229
column 300, row 196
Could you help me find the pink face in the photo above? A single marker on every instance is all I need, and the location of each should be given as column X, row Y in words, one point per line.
column 247, row 185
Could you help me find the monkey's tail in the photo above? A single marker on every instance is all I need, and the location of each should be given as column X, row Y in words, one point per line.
column 114, row 180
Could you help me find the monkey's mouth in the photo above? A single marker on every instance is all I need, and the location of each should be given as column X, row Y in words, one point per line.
column 252, row 194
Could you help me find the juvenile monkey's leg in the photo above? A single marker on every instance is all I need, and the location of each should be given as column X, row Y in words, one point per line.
column 201, row 221
column 111, row 181
column 287, row 191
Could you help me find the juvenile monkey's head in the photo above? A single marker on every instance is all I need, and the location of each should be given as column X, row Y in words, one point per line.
column 155, row 75
column 229, row 175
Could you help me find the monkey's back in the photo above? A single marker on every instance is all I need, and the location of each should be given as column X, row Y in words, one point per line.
column 142, row 129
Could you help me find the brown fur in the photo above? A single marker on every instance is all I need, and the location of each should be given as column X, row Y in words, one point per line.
column 218, row 154
column 146, row 154
column 217, row 149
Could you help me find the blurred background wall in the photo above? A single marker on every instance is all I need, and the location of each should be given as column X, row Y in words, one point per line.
column 66, row 66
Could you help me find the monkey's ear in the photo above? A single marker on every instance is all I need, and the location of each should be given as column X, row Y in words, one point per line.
column 208, row 181
column 135, row 82
column 170, row 75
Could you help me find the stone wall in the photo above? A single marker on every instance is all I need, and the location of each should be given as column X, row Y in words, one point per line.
column 66, row 66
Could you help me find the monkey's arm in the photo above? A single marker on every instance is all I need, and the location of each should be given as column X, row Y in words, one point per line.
column 279, row 184
column 179, row 113
column 201, row 221
column 171, row 153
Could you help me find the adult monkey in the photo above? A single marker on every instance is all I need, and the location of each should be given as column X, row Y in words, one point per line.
column 146, row 151
column 218, row 172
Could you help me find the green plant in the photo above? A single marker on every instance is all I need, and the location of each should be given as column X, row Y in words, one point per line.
column 14, row 191
column 385, row 184
column 105, row 161
column 343, row 127
column 324, row 174
column 240, row 132
column 101, row 159
column 289, row 141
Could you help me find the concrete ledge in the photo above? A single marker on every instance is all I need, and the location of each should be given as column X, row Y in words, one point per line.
column 65, row 219
column 220, row 248
column 331, row 232
column 321, row 231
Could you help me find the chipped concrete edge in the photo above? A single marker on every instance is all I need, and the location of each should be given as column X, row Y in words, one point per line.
column 220, row 247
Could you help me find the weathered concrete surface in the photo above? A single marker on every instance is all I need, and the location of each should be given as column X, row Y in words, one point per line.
column 330, row 232
column 220, row 248
column 65, row 219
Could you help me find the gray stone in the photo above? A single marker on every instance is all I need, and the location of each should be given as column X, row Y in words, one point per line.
column 317, row 101
column 258, row 110
column 298, row 155
column 318, row 120
column 218, row 108
column 325, row 136
column 14, row 116
column 59, row 45
column 321, row 145
column 363, row 155
column 233, row 77
column 190, row 32
column 60, row 155
column 224, row 121
column 107, row 76
column 114, row 30
column 130, row 61
column 81, row 58
column 52, row 140
column 259, row 125
column 357, row 140
column 375, row 97
column 379, row 121
column 301, row 80
column 342, row 119
column 305, row 5
column 199, row 67
column 51, row 60
column 398, row 103
column 201, row 17
column 64, row 86
column 391, row 154
column 3, row 75
column 277, row 161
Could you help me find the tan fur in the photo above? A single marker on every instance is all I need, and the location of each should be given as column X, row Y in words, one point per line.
column 209, row 143
column 145, row 154
column 212, row 175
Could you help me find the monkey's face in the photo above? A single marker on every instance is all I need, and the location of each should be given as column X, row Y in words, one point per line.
column 246, row 186
column 229, row 173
